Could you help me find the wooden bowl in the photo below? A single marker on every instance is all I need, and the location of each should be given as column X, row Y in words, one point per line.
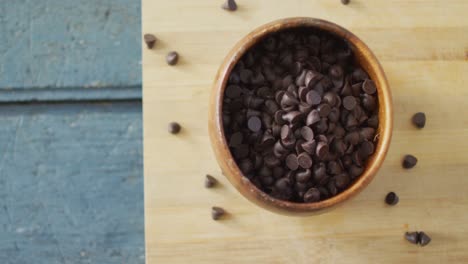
column 365, row 58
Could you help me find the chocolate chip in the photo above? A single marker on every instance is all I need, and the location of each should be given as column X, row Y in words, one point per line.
column 307, row 133
column 330, row 98
column 210, row 181
column 309, row 147
column 391, row 198
column 419, row 119
column 341, row 181
column 412, row 237
column 369, row 102
column 288, row 100
column 234, row 78
column 265, row 172
column 230, row 5
column 278, row 172
column 236, row 139
column 279, row 96
column 292, row 117
column 312, row 195
column 409, row 161
column 233, row 91
column 172, row 58
column 241, row 151
column 174, row 128
column 334, row 168
column 367, row 133
column 349, row 102
column 254, row 123
column 346, row 90
column 357, row 158
column 322, row 150
column 332, row 188
column 324, row 110
column 373, row 121
column 300, row 80
column 366, row 149
column 150, row 40
column 352, row 138
column 359, row 75
column 320, row 172
column 303, row 176
column 292, row 162
column 246, row 166
column 313, row 117
column 311, row 78
column 356, row 89
column 355, row 171
column 313, row 98
column 345, row 2
column 368, row 87
column 304, row 160
column 283, row 188
column 424, row 239
column 279, row 150
column 271, row 161
column 217, row 212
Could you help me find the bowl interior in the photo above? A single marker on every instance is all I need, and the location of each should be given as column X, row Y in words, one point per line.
column 363, row 57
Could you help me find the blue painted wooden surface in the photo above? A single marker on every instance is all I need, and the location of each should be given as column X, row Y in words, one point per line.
column 71, row 185
column 71, row 180
column 70, row 43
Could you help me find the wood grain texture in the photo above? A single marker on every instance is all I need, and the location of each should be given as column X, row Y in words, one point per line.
column 423, row 48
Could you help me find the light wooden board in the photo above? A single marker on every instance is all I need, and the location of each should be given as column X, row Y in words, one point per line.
column 423, row 47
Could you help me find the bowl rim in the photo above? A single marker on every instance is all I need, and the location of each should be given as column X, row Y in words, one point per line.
column 219, row 142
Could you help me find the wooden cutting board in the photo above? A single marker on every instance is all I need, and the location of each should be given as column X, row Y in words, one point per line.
column 423, row 47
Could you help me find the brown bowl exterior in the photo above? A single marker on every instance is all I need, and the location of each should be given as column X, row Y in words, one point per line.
column 366, row 60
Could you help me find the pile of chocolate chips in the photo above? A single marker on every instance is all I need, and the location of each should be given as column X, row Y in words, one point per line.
column 300, row 116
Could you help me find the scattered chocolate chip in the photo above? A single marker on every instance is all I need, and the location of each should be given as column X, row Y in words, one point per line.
column 391, row 198
column 345, row 2
column 174, row 128
column 217, row 212
column 150, row 40
column 412, row 237
column 172, row 58
column 420, row 238
column 210, row 181
column 409, row 161
column 230, row 5
column 424, row 239
column 419, row 119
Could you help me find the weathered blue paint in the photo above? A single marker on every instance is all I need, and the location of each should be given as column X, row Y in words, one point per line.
column 70, row 43
column 71, row 185
column 70, row 94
